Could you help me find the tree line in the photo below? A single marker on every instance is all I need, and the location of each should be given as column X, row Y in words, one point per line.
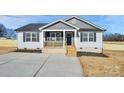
column 113, row 37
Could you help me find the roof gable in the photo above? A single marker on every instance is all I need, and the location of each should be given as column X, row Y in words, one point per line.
column 59, row 24
column 83, row 24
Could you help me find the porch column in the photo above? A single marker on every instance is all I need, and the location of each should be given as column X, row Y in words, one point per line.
column 63, row 39
column 43, row 38
column 75, row 38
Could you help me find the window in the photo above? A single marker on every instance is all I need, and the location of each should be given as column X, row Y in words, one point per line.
column 55, row 36
column 58, row 36
column 91, row 36
column 83, row 36
column 31, row 36
column 34, row 37
column 87, row 37
column 27, row 37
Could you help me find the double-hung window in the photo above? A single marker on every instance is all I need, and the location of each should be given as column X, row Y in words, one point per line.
column 52, row 36
column 58, row 36
column 87, row 37
column 31, row 37
column 83, row 36
column 34, row 37
column 55, row 36
column 28, row 37
column 91, row 36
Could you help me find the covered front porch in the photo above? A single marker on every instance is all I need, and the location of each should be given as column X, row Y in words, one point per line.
column 58, row 34
column 58, row 39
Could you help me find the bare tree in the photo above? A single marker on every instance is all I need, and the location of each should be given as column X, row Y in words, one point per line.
column 2, row 30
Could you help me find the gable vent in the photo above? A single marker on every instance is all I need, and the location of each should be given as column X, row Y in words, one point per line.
column 74, row 21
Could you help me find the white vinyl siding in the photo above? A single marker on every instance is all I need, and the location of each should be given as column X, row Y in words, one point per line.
column 29, row 45
column 90, row 46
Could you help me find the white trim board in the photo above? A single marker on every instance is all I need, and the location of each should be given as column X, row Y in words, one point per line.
column 59, row 30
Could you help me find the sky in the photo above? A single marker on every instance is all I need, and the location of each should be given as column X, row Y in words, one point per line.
column 112, row 23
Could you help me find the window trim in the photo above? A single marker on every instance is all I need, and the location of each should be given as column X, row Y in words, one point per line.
column 88, row 37
column 55, row 36
column 92, row 36
column 28, row 37
column 36, row 37
column 82, row 37
column 31, row 36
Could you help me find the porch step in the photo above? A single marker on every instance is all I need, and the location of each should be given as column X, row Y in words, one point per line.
column 71, row 51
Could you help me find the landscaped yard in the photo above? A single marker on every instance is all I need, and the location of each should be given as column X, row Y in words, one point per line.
column 109, row 64
column 4, row 50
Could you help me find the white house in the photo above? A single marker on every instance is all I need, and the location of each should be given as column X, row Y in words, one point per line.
column 84, row 35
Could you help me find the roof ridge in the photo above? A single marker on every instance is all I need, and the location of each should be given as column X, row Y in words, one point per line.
column 37, row 23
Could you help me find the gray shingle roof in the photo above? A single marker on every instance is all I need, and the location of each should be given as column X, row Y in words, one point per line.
column 86, row 22
column 88, row 29
column 36, row 26
column 31, row 27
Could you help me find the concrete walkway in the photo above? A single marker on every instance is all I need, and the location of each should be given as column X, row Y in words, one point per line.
column 37, row 64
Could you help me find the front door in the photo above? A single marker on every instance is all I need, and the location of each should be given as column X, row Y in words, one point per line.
column 69, row 39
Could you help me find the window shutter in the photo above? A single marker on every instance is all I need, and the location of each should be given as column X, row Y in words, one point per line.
column 94, row 37
column 81, row 36
column 37, row 36
column 23, row 36
column 77, row 34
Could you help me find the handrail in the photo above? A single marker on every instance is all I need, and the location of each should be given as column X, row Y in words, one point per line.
column 66, row 48
column 53, row 38
column 75, row 49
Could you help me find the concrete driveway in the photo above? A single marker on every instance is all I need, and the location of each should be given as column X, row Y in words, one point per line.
column 36, row 64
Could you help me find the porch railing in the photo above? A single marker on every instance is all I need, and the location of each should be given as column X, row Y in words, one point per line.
column 56, row 41
column 53, row 41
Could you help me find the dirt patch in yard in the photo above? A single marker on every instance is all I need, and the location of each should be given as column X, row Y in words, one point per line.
column 4, row 50
column 102, row 66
